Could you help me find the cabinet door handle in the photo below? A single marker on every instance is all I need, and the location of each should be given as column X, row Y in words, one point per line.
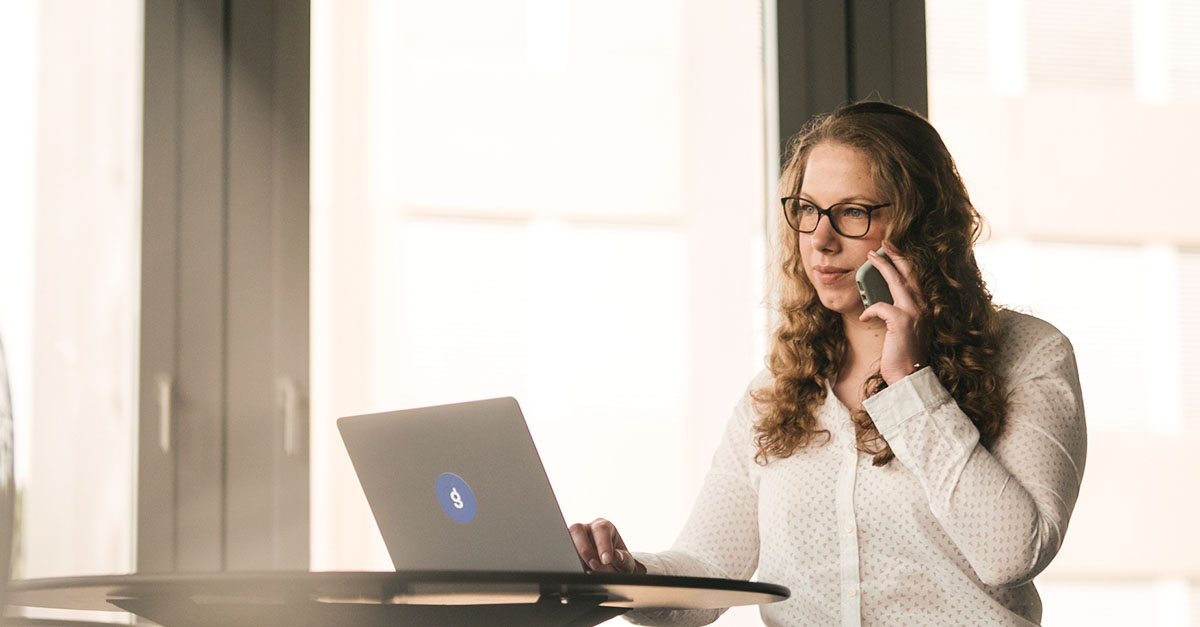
column 162, row 384
column 289, row 402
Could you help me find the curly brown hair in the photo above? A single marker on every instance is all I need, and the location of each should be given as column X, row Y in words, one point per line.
column 934, row 224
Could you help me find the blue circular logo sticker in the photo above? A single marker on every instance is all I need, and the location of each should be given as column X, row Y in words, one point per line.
column 456, row 497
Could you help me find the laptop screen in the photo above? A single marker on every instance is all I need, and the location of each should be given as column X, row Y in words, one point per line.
column 459, row 487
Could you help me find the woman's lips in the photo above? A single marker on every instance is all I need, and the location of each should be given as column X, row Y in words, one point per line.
column 829, row 274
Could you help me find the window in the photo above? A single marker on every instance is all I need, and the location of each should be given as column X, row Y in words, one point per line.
column 559, row 201
column 69, row 244
column 1073, row 126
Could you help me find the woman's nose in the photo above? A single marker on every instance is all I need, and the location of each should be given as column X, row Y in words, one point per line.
column 825, row 238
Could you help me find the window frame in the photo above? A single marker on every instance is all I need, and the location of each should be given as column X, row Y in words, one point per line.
column 223, row 372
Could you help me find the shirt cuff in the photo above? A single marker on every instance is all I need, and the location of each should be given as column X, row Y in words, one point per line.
column 653, row 563
column 919, row 392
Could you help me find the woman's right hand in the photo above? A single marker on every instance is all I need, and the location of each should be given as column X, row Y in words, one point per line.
column 602, row 549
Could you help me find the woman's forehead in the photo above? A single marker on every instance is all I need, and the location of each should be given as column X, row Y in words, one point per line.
column 835, row 173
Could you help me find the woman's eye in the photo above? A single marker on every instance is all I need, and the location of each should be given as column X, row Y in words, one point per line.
column 854, row 212
column 808, row 209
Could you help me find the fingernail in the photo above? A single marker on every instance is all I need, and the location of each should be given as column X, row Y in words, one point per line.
column 593, row 564
column 606, row 558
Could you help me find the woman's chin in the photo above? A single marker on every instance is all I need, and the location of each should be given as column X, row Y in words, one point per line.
column 845, row 304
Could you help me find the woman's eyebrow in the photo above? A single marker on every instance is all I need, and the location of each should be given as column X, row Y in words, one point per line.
column 860, row 200
column 857, row 199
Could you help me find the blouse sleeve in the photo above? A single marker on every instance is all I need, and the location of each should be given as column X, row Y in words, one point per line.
column 1006, row 509
column 720, row 538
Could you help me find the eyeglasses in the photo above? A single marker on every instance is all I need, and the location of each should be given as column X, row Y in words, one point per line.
column 849, row 219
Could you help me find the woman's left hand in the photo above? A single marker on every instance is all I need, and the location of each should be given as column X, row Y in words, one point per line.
column 906, row 344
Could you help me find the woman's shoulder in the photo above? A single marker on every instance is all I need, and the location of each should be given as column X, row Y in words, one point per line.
column 747, row 412
column 764, row 379
column 761, row 386
column 1027, row 340
column 1025, row 330
column 761, row 382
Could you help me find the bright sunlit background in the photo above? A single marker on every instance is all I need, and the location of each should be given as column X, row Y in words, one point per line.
column 564, row 201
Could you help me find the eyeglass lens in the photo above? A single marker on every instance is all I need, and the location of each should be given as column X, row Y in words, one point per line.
column 849, row 219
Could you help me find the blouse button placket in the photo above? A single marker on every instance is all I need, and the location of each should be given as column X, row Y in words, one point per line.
column 848, row 541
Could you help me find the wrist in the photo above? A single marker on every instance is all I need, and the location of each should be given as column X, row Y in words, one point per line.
column 892, row 376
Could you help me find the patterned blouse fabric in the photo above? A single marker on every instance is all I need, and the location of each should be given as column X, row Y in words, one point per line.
column 948, row 533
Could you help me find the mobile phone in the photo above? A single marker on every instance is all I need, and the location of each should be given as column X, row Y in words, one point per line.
column 872, row 287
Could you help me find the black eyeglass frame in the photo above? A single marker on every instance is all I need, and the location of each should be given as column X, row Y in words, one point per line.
column 870, row 209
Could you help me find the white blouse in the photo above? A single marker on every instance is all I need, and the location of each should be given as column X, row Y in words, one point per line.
column 948, row 533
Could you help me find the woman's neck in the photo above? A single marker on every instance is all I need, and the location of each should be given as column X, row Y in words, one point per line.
column 864, row 344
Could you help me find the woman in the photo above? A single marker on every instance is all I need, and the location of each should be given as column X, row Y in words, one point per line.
column 901, row 464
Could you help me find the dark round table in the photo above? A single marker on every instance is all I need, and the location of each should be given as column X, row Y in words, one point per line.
column 376, row 599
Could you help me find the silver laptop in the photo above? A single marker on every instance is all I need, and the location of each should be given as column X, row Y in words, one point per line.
column 459, row 487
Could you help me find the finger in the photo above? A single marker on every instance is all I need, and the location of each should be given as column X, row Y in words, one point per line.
column 898, row 316
column 896, row 257
column 901, row 292
column 902, row 323
column 879, row 311
column 603, row 534
column 905, row 267
column 625, row 562
column 581, row 535
column 622, row 560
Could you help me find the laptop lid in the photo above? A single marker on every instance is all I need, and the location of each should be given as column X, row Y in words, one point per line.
column 459, row 487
